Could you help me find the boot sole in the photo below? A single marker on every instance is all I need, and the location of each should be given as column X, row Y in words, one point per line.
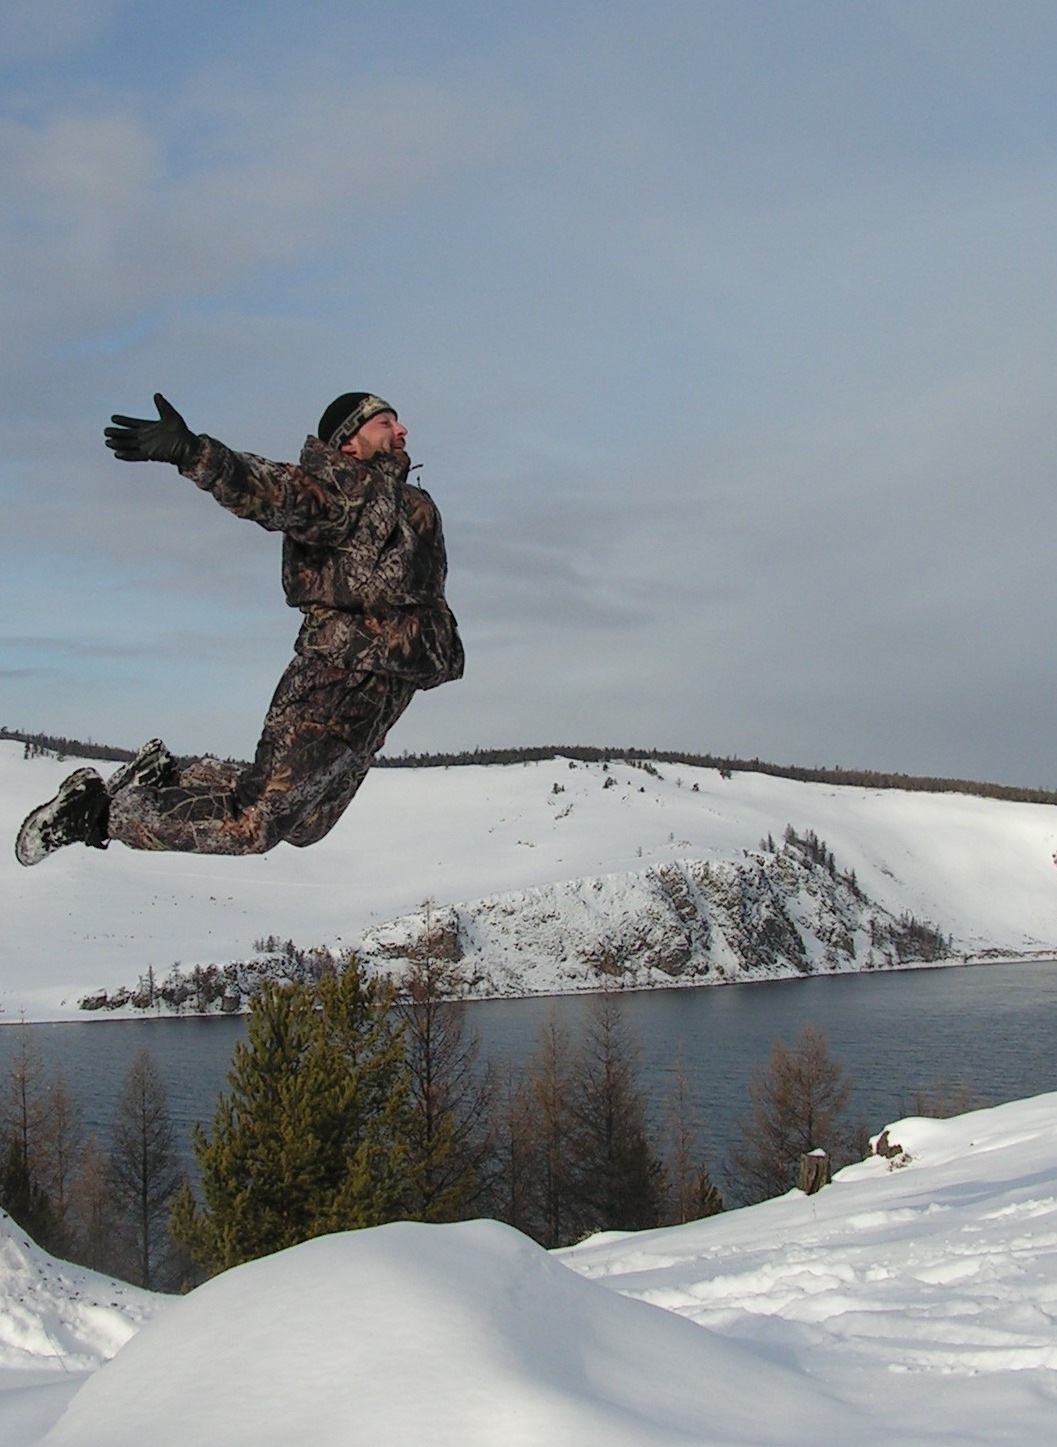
column 32, row 844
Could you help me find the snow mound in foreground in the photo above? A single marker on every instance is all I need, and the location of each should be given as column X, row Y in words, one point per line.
column 464, row 1334
column 912, row 1301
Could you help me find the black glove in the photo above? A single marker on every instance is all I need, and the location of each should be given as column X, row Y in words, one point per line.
column 138, row 439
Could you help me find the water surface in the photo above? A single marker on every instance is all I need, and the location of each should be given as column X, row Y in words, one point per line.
column 987, row 1029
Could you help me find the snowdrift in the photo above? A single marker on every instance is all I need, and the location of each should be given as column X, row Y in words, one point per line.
column 52, row 1313
column 58, row 1323
column 911, row 1302
column 453, row 1335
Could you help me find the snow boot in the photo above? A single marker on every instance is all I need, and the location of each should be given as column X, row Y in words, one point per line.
column 152, row 768
column 77, row 815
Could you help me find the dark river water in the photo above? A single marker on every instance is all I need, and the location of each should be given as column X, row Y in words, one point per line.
column 990, row 1030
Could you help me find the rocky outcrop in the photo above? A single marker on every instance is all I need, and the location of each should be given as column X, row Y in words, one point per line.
column 775, row 913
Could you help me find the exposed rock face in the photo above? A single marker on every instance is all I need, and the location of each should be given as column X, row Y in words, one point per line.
column 770, row 915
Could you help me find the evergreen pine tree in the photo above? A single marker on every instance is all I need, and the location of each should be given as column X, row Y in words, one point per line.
column 311, row 1136
column 359, row 1040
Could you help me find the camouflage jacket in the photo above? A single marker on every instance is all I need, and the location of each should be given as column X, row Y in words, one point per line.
column 363, row 554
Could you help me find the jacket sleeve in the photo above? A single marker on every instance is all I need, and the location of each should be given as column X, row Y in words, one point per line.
column 279, row 496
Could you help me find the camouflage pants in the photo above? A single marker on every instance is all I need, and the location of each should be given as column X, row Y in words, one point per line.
column 319, row 739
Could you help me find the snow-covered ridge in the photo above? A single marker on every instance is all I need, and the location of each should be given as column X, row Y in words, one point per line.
column 551, row 876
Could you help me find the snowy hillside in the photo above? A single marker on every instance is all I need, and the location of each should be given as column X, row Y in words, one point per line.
column 546, row 877
column 912, row 1301
column 58, row 1324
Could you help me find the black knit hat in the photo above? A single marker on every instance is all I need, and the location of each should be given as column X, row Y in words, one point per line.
column 347, row 414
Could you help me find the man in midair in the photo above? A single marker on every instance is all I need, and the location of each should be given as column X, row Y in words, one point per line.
column 364, row 561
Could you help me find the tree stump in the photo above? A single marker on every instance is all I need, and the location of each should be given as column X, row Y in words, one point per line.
column 814, row 1172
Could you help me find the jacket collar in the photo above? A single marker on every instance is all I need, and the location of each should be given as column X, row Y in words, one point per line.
column 323, row 461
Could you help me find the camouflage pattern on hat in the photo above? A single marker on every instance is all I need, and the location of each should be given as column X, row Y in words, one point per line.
column 363, row 406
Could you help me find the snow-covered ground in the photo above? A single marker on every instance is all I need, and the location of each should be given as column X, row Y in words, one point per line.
column 978, row 869
column 912, row 1302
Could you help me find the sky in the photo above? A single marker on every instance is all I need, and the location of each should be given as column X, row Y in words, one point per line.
column 724, row 333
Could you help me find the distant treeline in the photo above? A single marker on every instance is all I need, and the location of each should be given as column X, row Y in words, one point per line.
column 853, row 778
column 36, row 744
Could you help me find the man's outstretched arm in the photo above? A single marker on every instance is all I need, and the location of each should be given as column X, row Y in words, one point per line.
column 277, row 496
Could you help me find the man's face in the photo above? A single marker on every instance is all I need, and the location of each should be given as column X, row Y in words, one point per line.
column 380, row 433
